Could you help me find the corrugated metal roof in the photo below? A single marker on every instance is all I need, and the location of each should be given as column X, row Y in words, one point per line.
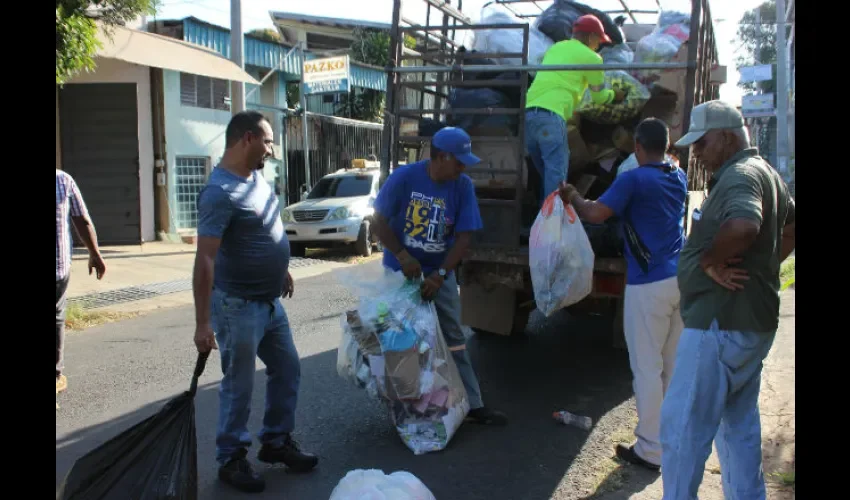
column 335, row 22
column 268, row 55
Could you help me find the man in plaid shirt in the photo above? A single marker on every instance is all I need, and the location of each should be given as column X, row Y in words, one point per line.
column 70, row 207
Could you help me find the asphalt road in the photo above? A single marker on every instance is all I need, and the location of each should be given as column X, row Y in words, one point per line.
column 121, row 373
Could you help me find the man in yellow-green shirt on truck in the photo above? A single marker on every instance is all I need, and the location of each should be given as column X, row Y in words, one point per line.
column 554, row 95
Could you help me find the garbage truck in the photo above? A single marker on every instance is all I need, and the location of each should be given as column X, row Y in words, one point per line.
column 475, row 75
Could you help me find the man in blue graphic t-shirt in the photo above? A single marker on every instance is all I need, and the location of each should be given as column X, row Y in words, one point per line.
column 425, row 215
column 650, row 201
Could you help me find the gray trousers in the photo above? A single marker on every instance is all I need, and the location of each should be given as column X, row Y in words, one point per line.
column 447, row 303
column 61, row 301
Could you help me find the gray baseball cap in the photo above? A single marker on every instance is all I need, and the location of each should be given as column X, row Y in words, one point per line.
column 711, row 115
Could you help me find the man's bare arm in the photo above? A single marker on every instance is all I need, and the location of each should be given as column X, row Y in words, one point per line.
column 202, row 278
column 85, row 229
column 733, row 238
column 458, row 250
column 386, row 235
column 590, row 211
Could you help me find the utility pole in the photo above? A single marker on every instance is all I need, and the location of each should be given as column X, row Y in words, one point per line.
column 237, row 55
column 781, row 90
column 305, row 122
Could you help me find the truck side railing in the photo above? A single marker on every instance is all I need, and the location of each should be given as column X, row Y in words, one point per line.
column 702, row 47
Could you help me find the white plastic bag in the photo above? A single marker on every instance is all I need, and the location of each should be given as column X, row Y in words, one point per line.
column 560, row 257
column 509, row 40
column 373, row 484
column 662, row 45
column 631, row 163
column 392, row 346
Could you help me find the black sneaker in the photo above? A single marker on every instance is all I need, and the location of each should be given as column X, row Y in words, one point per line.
column 629, row 454
column 289, row 454
column 239, row 474
column 486, row 416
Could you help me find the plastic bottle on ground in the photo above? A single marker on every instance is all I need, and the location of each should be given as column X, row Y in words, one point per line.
column 568, row 418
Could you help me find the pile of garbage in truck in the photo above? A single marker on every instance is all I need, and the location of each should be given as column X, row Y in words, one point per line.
column 600, row 135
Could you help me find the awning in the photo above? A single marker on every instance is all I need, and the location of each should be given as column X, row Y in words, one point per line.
column 149, row 49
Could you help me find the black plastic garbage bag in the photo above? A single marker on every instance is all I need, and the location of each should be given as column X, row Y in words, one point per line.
column 155, row 459
column 556, row 22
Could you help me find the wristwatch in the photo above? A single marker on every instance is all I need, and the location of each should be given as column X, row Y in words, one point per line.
column 442, row 272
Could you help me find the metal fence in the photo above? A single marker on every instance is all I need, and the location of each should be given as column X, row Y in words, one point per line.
column 333, row 143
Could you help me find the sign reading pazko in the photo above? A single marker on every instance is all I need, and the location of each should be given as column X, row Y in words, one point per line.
column 330, row 75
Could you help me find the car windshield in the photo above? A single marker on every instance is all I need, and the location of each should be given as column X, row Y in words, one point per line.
column 342, row 186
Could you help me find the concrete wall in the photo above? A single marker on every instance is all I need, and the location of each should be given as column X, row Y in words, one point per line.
column 189, row 131
column 114, row 71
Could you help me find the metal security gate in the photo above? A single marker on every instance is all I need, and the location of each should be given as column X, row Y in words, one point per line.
column 333, row 143
column 100, row 150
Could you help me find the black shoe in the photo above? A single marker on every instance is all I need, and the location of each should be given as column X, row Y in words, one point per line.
column 486, row 416
column 290, row 455
column 239, row 474
column 629, row 454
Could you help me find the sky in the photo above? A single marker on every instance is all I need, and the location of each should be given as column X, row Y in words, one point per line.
column 726, row 15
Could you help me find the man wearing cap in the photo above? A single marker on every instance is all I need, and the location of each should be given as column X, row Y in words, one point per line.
column 729, row 283
column 425, row 214
column 554, row 95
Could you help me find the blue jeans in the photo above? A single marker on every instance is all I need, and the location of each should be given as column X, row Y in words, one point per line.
column 546, row 143
column 447, row 304
column 713, row 396
column 245, row 329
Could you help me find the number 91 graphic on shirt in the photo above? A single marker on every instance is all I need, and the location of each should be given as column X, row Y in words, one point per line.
column 560, row 257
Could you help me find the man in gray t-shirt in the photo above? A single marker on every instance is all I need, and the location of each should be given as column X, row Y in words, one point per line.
column 241, row 271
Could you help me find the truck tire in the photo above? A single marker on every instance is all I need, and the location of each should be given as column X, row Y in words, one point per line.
column 297, row 250
column 363, row 246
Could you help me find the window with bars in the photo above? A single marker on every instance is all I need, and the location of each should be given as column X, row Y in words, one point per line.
column 204, row 92
column 190, row 176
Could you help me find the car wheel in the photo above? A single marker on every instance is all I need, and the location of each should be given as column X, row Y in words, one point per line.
column 363, row 246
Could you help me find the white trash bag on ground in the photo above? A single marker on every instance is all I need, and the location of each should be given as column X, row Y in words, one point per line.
column 373, row 484
column 560, row 257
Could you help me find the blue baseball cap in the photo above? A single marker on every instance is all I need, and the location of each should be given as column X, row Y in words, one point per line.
column 455, row 141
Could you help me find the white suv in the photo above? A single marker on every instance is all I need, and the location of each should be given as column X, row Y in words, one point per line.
column 337, row 211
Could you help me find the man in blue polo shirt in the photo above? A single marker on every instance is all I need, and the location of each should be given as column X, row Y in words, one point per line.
column 425, row 215
column 650, row 201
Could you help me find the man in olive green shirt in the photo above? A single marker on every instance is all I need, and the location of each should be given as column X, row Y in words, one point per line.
column 729, row 284
column 554, row 95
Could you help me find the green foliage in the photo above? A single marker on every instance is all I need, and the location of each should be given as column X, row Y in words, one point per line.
column 76, row 30
column 371, row 47
column 757, row 38
column 267, row 34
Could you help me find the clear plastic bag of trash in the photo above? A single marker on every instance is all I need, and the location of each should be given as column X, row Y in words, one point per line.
column 662, row 45
column 637, row 95
column 617, row 54
column 560, row 256
column 373, row 484
column 391, row 346
column 509, row 40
